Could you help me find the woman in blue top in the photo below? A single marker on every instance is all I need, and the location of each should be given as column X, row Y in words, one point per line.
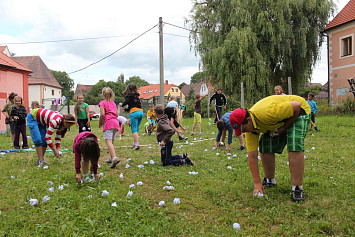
column 223, row 125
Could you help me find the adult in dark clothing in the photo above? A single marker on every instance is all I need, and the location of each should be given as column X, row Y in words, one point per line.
column 165, row 131
column 220, row 100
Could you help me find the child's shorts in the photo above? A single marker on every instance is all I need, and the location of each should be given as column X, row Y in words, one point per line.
column 136, row 119
column 313, row 117
column 294, row 137
column 37, row 130
column 197, row 117
column 152, row 121
column 110, row 134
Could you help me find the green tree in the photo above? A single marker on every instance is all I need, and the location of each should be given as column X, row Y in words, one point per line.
column 120, row 78
column 66, row 82
column 138, row 81
column 198, row 77
column 182, row 85
column 258, row 42
column 94, row 96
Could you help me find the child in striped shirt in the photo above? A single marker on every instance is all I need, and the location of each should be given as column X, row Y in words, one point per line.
column 38, row 121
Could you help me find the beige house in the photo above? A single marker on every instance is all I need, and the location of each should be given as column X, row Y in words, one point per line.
column 341, row 57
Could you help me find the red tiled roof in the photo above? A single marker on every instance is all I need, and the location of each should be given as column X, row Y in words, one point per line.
column 150, row 91
column 2, row 48
column 41, row 74
column 346, row 15
column 9, row 62
column 82, row 89
column 195, row 86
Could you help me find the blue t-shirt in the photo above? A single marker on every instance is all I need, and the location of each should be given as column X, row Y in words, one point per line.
column 229, row 127
column 313, row 106
column 172, row 103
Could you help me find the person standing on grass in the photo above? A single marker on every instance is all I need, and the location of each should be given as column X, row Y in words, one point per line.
column 38, row 121
column 7, row 112
column 82, row 117
column 165, row 131
column 314, row 110
column 18, row 115
column 220, row 100
column 86, row 146
column 197, row 113
column 108, row 114
column 269, row 125
column 135, row 112
column 223, row 125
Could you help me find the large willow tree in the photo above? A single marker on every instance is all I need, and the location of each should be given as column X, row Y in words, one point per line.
column 258, row 42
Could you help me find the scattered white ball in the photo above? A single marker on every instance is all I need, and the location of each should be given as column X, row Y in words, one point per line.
column 45, row 167
column 186, row 142
column 217, row 154
column 152, row 162
column 84, row 128
column 140, row 166
column 169, row 188
column 193, row 172
column 195, row 139
column 130, row 194
column 161, row 203
column 105, row 193
column 145, row 162
column 229, row 167
column 313, row 148
column 229, row 158
column 236, row 226
column 127, row 166
column 51, row 189
column 139, row 183
column 235, row 155
column 46, row 198
column 33, row 202
column 121, row 176
column 221, row 143
column 90, row 196
column 129, row 159
column 12, row 177
column 60, row 187
column 205, row 150
column 168, row 183
column 176, row 201
column 131, row 186
column 114, row 204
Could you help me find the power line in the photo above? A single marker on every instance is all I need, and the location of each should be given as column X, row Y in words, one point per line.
column 181, row 27
column 183, row 36
column 69, row 40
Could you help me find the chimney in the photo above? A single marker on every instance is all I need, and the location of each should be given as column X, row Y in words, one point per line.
column 166, row 82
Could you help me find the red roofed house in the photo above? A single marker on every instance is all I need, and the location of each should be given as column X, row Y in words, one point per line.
column 81, row 90
column 42, row 85
column 341, row 56
column 148, row 93
column 5, row 50
column 13, row 78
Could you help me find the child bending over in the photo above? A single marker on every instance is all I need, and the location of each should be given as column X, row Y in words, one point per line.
column 165, row 131
column 86, row 146
column 223, row 125
column 151, row 119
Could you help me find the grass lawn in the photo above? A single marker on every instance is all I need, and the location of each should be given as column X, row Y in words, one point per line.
column 211, row 201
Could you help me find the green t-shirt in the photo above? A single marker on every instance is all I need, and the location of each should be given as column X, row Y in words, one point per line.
column 82, row 111
column 7, row 108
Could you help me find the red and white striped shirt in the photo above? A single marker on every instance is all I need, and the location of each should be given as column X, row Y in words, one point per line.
column 53, row 120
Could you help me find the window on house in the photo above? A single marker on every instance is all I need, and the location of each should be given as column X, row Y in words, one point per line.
column 347, row 46
column 176, row 90
column 52, row 92
column 172, row 89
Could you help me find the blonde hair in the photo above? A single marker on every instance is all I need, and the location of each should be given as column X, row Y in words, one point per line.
column 179, row 114
column 107, row 93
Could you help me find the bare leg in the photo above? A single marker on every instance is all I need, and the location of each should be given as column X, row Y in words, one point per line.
column 135, row 137
column 268, row 161
column 111, row 147
column 12, row 137
column 85, row 167
column 296, row 161
column 199, row 127
column 193, row 127
column 40, row 152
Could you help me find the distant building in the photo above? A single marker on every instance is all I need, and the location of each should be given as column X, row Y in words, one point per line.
column 42, row 85
column 151, row 93
column 13, row 78
column 81, row 90
column 201, row 88
column 340, row 32
column 5, row 50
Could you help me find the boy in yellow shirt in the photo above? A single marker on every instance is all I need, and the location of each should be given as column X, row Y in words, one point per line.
column 151, row 119
column 271, row 124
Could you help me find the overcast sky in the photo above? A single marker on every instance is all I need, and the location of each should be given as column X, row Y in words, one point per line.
column 42, row 20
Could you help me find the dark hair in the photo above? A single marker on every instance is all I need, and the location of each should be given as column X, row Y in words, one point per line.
column 131, row 88
column 12, row 95
column 90, row 149
column 311, row 94
column 247, row 115
column 65, row 117
column 221, row 124
column 197, row 96
column 159, row 109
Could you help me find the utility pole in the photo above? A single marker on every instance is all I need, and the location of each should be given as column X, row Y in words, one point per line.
column 161, row 61
column 242, row 95
column 289, row 85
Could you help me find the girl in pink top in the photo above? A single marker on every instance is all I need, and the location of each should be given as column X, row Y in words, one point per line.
column 108, row 114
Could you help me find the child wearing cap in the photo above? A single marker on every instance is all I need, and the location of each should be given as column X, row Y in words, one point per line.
column 223, row 125
column 270, row 125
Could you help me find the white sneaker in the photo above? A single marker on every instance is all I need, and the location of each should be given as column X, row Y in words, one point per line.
column 115, row 161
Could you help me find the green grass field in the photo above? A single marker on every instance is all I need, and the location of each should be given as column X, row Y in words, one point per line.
column 211, row 201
